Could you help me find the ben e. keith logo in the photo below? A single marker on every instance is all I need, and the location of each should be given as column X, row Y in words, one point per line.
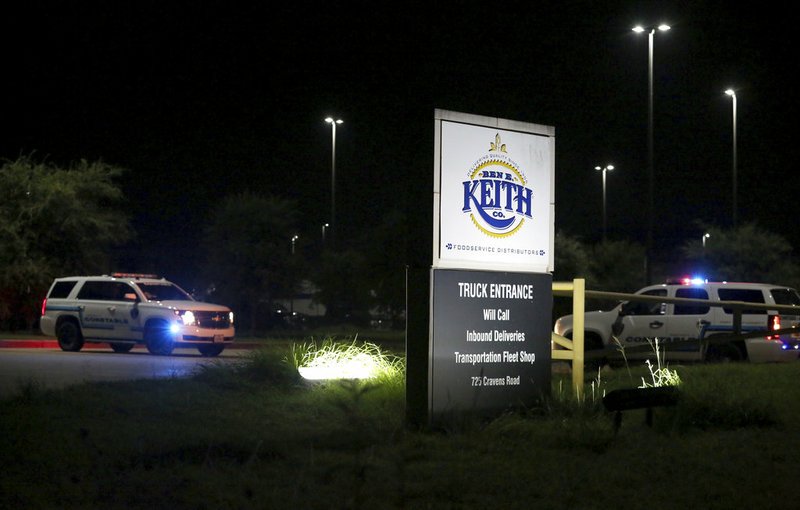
column 495, row 196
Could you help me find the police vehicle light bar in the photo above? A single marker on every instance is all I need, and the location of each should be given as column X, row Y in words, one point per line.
column 133, row 275
column 687, row 280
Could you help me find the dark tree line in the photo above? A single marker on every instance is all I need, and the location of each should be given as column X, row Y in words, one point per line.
column 58, row 221
column 252, row 262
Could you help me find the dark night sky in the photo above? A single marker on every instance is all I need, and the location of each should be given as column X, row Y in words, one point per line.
column 199, row 100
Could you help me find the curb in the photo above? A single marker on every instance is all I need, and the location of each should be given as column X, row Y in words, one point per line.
column 29, row 344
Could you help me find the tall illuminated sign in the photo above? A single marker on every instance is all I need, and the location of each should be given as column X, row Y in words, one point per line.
column 490, row 282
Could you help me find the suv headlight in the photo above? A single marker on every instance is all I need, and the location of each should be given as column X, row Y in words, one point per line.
column 186, row 316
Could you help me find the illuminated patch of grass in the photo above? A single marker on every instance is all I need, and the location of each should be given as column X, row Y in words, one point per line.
column 332, row 359
column 660, row 374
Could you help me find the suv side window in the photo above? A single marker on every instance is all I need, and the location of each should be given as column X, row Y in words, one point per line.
column 646, row 308
column 62, row 289
column 746, row 295
column 691, row 309
column 107, row 291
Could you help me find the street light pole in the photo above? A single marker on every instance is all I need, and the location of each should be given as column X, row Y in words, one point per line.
column 650, row 166
column 732, row 93
column 291, row 305
column 604, row 169
column 333, row 123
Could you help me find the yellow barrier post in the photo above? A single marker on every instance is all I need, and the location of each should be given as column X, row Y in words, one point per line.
column 573, row 349
column 578, row 308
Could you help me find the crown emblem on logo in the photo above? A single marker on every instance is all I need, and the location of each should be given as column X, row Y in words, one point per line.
column 496, row 145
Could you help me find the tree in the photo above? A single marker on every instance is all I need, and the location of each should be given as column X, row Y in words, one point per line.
column 617, row 266
column 385, row 249
column 571, row 258
column 249, row 258
column 571, row 261
column 54, row 222
column 344, row 289
column 747, row 253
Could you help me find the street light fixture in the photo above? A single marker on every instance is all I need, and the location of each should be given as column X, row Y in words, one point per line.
column 650, row 172
column 705, row 236
column 324, row 229
column 732, row 93
column 604, row 169
column 333, row 122
column 294, row 240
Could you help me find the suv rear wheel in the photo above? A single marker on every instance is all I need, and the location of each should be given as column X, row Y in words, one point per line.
column 69, row 336
column 723, row 353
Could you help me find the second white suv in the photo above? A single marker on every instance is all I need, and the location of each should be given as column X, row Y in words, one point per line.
column 681, row 328
column 125, row 309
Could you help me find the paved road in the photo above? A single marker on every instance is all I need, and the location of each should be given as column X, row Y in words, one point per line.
column 53, row 368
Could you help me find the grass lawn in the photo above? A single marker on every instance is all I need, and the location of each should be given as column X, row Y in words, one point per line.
column 257, row 436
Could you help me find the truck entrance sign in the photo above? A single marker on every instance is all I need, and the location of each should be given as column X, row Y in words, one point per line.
column 488, row 350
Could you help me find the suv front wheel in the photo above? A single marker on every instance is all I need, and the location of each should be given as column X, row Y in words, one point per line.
column 158, row 340
column 210, row 350
column 69, row 336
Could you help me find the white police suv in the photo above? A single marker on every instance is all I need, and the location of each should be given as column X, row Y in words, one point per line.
column 125, row 309
column 682, row 328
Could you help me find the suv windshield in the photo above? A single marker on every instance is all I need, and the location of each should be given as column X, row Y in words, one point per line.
column 163, row 292
column 785, row 297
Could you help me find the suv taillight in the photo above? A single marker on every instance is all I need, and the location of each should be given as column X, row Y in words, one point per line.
column 774, row 324
column 44, row 306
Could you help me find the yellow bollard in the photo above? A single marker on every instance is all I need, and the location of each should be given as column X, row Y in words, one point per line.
column 578, row 308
